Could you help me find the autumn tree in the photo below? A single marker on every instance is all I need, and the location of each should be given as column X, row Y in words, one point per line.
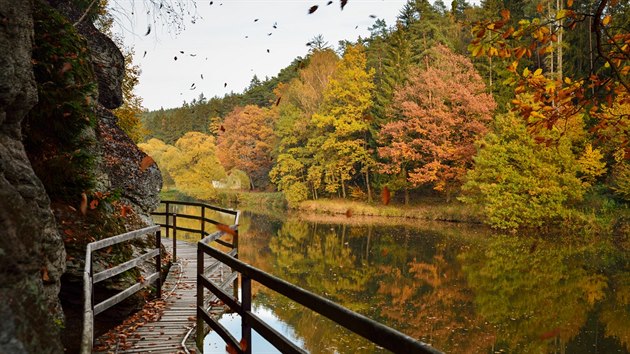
column 444, row 110
column 246, row 142
column 193, row 165
column 297, row 101
column 519, row 182
column 340, row 142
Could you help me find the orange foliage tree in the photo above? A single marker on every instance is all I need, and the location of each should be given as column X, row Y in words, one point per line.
column 245, row 142
column 444, row 109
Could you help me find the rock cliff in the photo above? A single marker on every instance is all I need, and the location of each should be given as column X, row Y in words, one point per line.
column 59, row 140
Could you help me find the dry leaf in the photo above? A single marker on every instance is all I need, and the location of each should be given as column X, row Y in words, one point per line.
column 146, row 162
column 84, row 204
column 385, row 195
column 343, row 4
column 349, row 213
column 93, row 204
column 44, row 272
column 243, row 344
column 230, row 349
column 312, row 9
column 225, row 228
column 65, row 67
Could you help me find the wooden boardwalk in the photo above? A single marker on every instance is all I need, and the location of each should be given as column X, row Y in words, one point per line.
column 167, row 326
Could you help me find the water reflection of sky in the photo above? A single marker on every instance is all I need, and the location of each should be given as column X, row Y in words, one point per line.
column 232, row 322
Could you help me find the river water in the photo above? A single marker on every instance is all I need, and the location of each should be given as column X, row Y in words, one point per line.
column 460, row 289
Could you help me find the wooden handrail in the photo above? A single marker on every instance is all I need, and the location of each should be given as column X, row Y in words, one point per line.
column 89, row 308
column 375, row 332
column 171, row 217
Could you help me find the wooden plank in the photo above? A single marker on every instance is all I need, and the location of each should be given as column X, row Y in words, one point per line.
column 123, row 237
column 124, row 266
column 104, row 305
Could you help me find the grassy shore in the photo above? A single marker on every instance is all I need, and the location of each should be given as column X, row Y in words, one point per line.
column 451, row 212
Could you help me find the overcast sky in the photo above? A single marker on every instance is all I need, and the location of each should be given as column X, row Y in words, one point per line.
column 227, row 45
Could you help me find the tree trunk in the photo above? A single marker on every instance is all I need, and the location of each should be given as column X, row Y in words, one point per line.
column 406, row 196
column 559, row 7
column 367, row 185
column 343, row 188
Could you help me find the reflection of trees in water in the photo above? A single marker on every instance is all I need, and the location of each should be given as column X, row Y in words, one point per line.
column 462, row 294
column 538, row 295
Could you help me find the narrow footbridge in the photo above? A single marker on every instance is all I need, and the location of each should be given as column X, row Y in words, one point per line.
column 204, row 281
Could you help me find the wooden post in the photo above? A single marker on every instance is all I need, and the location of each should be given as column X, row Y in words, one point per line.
column 168, row 210
column 203, row 221
column 158, row 262
column 174, row 237
column 235, row 246
column 200, row 301
column 246, row 303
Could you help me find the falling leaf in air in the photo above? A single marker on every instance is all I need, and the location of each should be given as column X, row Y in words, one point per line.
column 201, row 76
column 44, row 272
column 256, row 20
column 268, row 51
column 313, row 9
column 181, row 51
column 355, row 27
column 372, row 16
column 343, row 4
column 329, row 3
column 148, row 30
column 146, row 162
column 275, row 25
column 145, row 54
column 83, row 207
column 385, row 195
column 269, row 34
column 308, row 44
column 348, row 213
column 93, row 204
column 225, row 84
column 225, row 228
column 175, row 58
column 211, row 2
column 278, row 100
column 193, row 55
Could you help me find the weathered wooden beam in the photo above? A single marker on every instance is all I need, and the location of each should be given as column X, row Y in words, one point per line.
column 98, row 277
column 123, row 237
column 102, row 306
column 220, row 293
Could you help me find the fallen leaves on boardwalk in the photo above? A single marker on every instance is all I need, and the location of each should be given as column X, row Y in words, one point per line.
column 117, row 337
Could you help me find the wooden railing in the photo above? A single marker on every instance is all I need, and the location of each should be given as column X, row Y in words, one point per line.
column 89, row 279
column 171, row 215
column 375, row 332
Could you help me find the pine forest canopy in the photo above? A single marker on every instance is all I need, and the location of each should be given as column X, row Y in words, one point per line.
column 519, row 107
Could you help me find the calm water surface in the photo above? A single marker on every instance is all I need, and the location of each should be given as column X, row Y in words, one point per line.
column 461, row 290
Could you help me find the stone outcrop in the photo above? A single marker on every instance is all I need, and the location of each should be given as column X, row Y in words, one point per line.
column 32, row 256
column 32, row 252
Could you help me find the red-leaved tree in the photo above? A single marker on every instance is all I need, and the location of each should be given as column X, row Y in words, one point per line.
column 443, row 109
